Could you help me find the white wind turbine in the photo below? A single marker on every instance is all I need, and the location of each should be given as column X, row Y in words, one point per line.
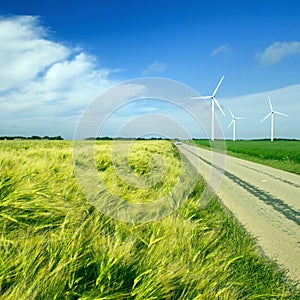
column 271, row 113
column 213, row 101
column 234, row 118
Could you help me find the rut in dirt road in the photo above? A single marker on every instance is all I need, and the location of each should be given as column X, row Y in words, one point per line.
column 265, row 200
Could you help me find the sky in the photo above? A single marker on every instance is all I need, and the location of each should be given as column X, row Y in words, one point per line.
column 57, row 57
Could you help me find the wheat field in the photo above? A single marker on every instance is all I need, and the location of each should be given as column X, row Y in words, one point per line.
column 54, row 244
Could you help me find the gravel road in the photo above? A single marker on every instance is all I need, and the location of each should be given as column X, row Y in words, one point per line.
column 265, row 200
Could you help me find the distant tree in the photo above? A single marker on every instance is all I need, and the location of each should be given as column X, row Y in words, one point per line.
column 33, row 137
column 91, row 138
column 55, row 138
column 104, row 138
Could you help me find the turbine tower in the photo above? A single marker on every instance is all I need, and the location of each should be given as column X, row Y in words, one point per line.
column 234, row 118
column 271, row 113
column 213, row 102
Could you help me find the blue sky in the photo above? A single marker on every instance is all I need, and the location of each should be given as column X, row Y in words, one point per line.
column 57, row 56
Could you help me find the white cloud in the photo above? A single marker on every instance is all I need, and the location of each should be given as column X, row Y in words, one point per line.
column 278, row 51
column 156, row 67
column 41, row 79
column 223, row 49
column 24, row 51
column 255, row 106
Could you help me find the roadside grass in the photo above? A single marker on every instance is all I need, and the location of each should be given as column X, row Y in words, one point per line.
column 55, row 245
column 280, row 154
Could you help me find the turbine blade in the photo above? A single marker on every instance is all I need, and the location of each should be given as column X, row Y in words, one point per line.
column 266, row 117
column 270, row 103
column 240, row 118
column 279, row 113
column 201, row 97
column 219, row 106
column 206, row 97
column 216, row 89
column 231, row 113
column 230, row 123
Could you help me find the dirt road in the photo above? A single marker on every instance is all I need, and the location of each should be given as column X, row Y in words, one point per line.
column 265, row 200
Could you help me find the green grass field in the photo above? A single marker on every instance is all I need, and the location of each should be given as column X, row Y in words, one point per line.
column 280, row 154
column 55, row 245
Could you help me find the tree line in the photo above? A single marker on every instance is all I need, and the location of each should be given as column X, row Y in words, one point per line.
column 33, row 137
column 107, row 138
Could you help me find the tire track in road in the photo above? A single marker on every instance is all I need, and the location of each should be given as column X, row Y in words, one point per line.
column 272, row 176
column 268, row 199
column 265, row 200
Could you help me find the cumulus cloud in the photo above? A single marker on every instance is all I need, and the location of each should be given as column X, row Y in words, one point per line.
column 156, row 67
column 24, row 51
column 278, row 51
column 255, row 106
column 223, row 49
column 42, row 79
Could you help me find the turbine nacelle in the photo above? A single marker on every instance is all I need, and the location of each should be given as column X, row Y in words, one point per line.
column 213, row 102
column 271, row 114
column 233, row 120
column 212, row 97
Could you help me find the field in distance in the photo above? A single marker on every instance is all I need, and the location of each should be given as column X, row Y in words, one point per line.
column 55, row 245
column 280, row 154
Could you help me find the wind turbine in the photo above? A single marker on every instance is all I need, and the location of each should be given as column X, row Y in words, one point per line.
column 271, row 113
column 213, row 102
column 234, row 118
